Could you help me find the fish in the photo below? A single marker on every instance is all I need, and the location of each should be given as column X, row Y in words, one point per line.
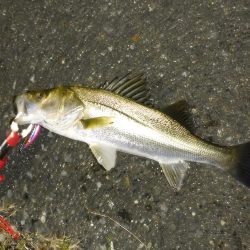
column 119, row 116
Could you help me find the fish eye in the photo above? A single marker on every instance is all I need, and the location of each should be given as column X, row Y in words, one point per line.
column 40, row 95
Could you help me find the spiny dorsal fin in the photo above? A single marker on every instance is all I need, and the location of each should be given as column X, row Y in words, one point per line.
column 175, row 173
column 132, row 86
column 179, row 111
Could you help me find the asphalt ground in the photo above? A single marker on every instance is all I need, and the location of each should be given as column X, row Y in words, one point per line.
column 193, row 50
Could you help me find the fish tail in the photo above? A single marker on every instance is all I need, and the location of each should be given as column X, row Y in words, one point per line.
column 240, row 163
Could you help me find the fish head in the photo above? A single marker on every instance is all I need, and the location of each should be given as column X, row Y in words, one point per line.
column 29, row 107
column 47, row 106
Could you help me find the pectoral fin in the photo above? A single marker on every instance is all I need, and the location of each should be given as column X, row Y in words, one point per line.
column 97, row 122
column 175, row 173
column 105, row 155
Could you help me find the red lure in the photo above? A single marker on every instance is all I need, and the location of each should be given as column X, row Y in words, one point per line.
column 12, row 140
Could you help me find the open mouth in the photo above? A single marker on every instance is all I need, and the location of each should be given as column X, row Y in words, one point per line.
column 21, row 110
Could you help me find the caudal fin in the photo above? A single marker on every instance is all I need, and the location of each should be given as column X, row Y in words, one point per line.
column 241, row 170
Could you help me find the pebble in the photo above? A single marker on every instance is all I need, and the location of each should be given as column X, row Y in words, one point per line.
column 29, row 174
column 211, row 242
column 111, row 204
column 132, row 46
column 64, row 173
column 43, row 217
column 98, row 184
column 163, row 56
column 222, row 222
column 184, row 74
column 32, row 78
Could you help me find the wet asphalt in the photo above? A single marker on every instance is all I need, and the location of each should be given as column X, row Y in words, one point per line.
column 193, row 50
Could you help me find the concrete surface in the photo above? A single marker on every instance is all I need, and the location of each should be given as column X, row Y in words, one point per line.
column 193, row 50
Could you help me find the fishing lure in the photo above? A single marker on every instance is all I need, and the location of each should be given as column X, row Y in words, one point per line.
column 12, row 140
column 35, row 131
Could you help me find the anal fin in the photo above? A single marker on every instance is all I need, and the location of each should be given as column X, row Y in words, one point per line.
column 105, row 155
column 175, row 173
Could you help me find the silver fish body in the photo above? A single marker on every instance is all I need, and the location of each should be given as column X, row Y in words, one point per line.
column 143, row 131
column 109, row 122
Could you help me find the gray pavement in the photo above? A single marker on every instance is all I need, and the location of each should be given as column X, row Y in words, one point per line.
column 193, row 50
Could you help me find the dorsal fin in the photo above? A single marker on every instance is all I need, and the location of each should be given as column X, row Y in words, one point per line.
column 132, row 86
column 179, row 111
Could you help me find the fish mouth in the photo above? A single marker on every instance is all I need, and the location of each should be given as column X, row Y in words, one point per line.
column 28, row 112
column 22, row 116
